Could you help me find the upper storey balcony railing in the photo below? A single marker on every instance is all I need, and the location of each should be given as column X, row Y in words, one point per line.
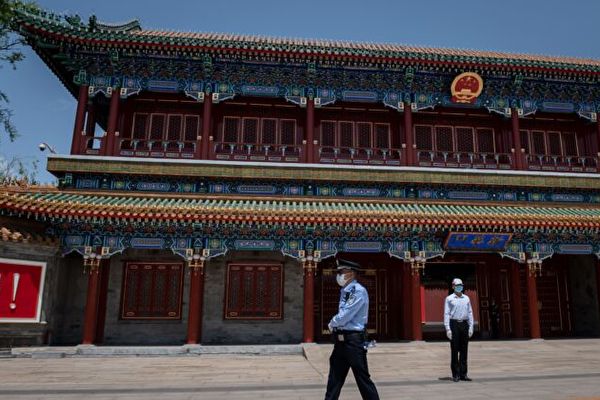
column 157, row 148
column 339, row 155
column 226, row 151
column 257, row 152
column 448, row 159
column 360, row 155
column 538, row 162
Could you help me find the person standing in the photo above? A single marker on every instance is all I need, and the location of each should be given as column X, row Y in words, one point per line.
column 458, row 321
column 494, row 319
column 348, row 327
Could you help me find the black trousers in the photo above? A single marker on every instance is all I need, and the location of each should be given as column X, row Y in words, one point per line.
column 459, row 345
column 350, row 354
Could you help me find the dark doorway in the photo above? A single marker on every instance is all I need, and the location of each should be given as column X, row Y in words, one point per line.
column 436, row 285
column 381, row 276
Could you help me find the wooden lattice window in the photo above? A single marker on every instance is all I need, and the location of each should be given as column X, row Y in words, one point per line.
column 382, row 136
column 250, row 130
column 328, row 133
column 152, row 290
column 569, row 144
column 140, row 124
column 364, row 134
column 175, row 127
column 443, row 138
column 346, row 134
column 192, row 123
column 231, row 129
column 288, row 131
column 525, row 141
column 485, row 140
column 464, row 139
column 254, row 291
column 538, row 145
column 554, row 143
column 157, row 126
column 423, row 139
column 269, row 131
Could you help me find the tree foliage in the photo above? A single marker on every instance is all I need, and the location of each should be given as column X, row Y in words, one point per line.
column 10, row 54
column 17, row 170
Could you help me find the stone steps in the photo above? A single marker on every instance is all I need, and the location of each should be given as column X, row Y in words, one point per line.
column 153, row 351
column 5, row 353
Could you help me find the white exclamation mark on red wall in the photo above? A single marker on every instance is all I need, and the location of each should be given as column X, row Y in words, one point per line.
column 16, row 278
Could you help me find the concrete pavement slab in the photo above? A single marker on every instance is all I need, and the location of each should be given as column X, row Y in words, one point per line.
column 562, row 369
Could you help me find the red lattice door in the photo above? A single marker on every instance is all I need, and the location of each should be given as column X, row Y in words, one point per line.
column 554, row 302
column 493, row 282
column 375, row 283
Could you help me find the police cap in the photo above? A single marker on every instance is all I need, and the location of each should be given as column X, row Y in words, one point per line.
column 345, row 264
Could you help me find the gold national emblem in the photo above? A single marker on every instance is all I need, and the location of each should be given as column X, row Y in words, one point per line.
column 466, row 87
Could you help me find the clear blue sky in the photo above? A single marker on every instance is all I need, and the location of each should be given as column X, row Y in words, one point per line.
column 44, row 110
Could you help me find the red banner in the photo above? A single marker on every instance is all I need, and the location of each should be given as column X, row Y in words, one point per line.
column 21, row 285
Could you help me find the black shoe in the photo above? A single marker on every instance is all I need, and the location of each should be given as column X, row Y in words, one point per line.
column 465, row 378
column 455, row 378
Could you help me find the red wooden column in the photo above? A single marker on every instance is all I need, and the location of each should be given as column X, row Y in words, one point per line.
column 516, row 139
column 416, row 301
column 310, row 131
column 598, row 135
column 109, row 142
column 79, row 119
column 408, row 135
column 90, row 126
column 194, row 331
column 532, row 298
column 598, row 282
column 406, row 302
column 102, row 298
column 516, row 304
column 91, row 305
column 202, row 152
column 309, row 268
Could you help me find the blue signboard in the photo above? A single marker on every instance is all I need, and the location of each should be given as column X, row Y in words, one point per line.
column 474, row 241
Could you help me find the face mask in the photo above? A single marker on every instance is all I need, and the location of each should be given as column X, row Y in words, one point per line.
column 458, row 288
column 341, row 280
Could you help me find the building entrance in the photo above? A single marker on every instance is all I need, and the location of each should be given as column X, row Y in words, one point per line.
column 381, row 276
column 436, row 285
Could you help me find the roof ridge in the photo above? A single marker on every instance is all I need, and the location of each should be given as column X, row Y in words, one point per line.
column 367, row 45
column 324, row 46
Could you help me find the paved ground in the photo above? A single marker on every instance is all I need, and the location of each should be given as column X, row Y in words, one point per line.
column 561, row 369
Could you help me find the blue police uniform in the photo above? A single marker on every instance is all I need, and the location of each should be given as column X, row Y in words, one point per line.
column 353, row 310
column 349, row 333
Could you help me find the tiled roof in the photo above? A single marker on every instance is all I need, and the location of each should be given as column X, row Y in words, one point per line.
column 14, row 233
column 130, row 34
column 352, row 46
column 74, row 205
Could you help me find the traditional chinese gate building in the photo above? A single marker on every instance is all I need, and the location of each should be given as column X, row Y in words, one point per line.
column 213, row 179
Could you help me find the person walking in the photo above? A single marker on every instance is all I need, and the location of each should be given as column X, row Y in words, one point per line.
column 348, row 327
column 458, row 321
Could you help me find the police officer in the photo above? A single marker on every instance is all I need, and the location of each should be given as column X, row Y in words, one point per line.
column 458, row 321
column 349, row 331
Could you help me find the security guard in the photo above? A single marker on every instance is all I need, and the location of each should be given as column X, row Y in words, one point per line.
column 349, row 331
column 458, row 321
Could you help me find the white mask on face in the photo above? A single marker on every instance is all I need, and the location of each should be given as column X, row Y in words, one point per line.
column 341, row 280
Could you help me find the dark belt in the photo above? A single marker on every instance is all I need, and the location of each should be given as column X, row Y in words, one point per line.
column 345, row 332
column 341, row 336
column 459, row 320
